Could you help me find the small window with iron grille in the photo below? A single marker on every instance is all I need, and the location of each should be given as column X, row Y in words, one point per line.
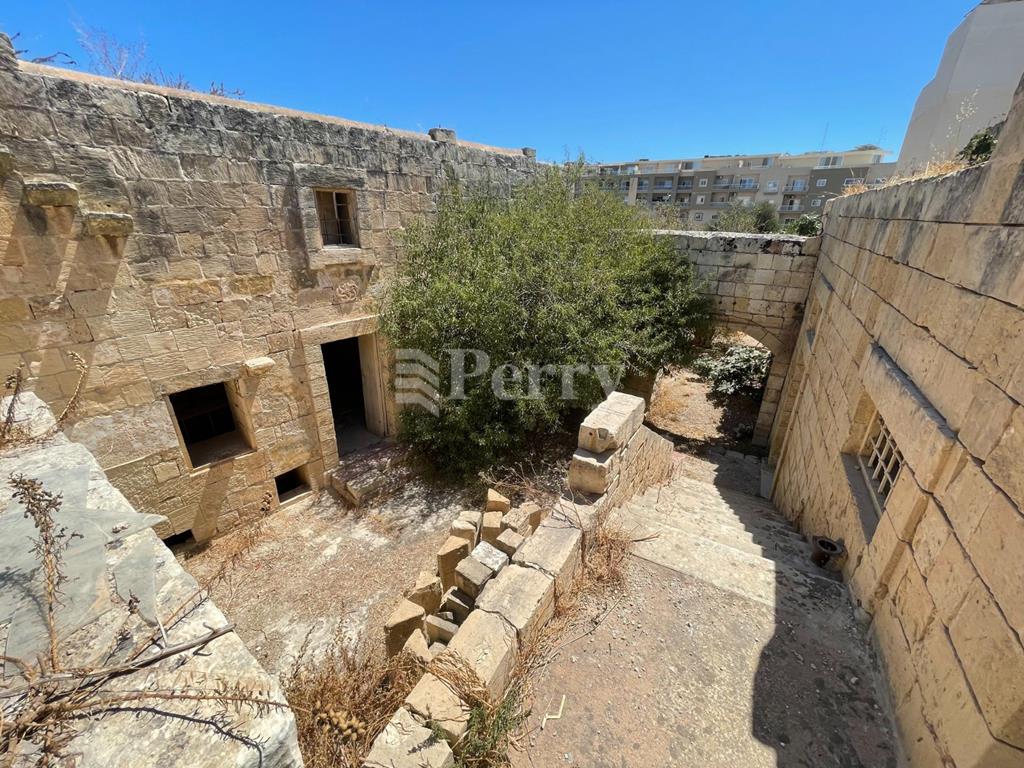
column 336, row 209
column 880, row 461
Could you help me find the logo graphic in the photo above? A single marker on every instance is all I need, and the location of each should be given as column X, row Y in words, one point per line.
column 416, row 380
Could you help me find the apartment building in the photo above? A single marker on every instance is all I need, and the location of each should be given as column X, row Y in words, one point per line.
column 702, row 187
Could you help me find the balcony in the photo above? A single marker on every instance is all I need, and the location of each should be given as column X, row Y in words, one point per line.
column 722, row 203
column 684, row 187
column 788, row 207
column 722, row 184
column 796, row 188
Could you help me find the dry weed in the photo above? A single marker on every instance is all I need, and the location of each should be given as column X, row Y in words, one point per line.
column 343, row 698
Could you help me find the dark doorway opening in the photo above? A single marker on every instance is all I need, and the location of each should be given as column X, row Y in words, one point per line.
column 343, row 368
column 291, row 484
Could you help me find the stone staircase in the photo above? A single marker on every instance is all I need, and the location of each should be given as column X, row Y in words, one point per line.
column 733, row 540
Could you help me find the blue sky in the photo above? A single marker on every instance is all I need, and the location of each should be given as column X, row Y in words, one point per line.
column 616, row 80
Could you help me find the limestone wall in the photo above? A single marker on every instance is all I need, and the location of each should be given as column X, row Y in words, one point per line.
column 758, row 284
column 171, row 239
column 916, row 317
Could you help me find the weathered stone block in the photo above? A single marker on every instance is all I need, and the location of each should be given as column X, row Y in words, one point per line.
column 592, row 472
column 439, row 630
column 993, row 659
column 426, row 592
column 555, row 548
column 525, row 597
column 471, row 575
column 457, row 603
column 509, row 542
column 258, row 366
column 490, row 556
column 464, row 530
column 496, row 502
column 50, row 194
column 107, row 224
column 404, row 620
column 488, row 644
column 404, row 743
column 448, row 557
column 416, row 646
column 434, row 700
column 610, row 425
column 491, row 526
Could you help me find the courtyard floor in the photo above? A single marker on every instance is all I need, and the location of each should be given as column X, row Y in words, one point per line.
column 318, row 568
column 726, row 648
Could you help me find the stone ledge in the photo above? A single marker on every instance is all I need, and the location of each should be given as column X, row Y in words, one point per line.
column 50, row 194
column 107, row 224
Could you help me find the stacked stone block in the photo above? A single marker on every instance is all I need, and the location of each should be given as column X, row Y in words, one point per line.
column 497, row 607
column 919, row 315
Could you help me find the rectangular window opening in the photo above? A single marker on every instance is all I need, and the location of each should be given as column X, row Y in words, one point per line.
column 880, row 462
column 336, row 210
column 291, row 484
column 207, row 424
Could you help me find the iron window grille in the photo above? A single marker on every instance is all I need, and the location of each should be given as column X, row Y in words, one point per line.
column 337, row 221
column 880, row 461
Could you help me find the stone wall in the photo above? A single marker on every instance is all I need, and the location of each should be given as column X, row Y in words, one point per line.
column 916, row 317
column 124, row 586
column 758, row 284
column 172, row 240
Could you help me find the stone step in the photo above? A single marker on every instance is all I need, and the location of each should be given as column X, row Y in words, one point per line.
column 754, row 577
column 761, row 519
column 789, row 548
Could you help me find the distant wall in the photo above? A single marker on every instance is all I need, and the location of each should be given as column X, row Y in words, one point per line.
column 171, row 239
column 758, row 285
column 916, row 316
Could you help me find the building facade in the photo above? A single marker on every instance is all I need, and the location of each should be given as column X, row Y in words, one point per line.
column 702, row 187
column 973, row 87
column 213, row 266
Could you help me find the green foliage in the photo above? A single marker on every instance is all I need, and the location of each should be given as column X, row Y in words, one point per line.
column 979, row 148
column 561, row 274
column 756, row 219
column 806, row 225
column 738, row 370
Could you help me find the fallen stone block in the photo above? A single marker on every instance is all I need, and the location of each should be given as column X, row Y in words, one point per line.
column 436, row 648
column 439, row 630
column 404, row 743
column 404, row 620
column 458, row 603
column 426, row 592
column 472, row 516
column 525, row 597
column 464, row 530
column 491, row 527
column 610, row 425
column 496, row 502
column 591, row 472
column 509, row 542
column 448, row 557
column 416, row 646
column 435, row 701
column 488, row 644
column 556, row 549
column 471, row 575
column 490, row 556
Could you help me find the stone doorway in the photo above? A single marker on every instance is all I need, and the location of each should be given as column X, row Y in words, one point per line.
column 350, row 372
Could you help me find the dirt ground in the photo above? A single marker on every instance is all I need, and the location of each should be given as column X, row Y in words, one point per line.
column 318, row 568
column 682, row 410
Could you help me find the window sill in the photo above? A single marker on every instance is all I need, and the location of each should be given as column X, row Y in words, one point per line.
column 217, row 450
column 332, row 255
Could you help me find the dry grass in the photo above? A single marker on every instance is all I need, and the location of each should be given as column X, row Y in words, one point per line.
column 933, row 169
column 343, row 698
